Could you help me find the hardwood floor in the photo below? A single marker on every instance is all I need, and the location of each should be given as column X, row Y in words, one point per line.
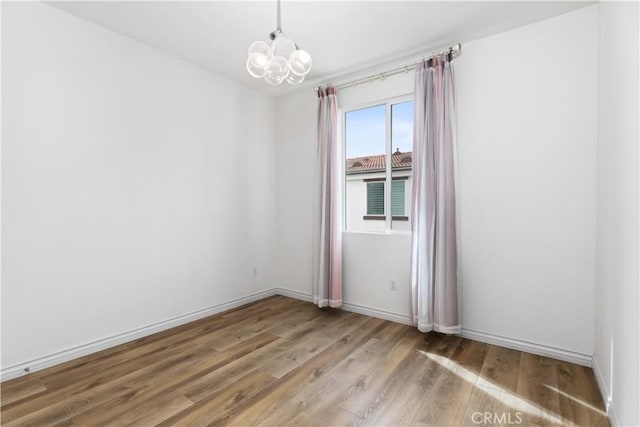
column 281, row 361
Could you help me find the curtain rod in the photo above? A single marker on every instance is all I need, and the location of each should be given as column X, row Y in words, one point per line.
column 455, row 50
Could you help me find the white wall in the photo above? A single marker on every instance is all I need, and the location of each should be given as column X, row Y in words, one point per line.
column 527, row 141
column 135, row 187
column 295, row 156
column 617, row 306
column 527, row 138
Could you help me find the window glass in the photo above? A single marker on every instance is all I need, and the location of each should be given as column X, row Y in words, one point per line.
column 402, row 146
column 365, row 152
column 376, row 199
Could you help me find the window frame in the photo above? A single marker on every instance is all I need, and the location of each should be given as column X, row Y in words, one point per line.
column 387, row 217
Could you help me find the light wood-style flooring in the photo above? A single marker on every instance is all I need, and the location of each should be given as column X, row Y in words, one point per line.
column 281, row 361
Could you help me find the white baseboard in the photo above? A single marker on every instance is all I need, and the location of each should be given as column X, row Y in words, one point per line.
column 374, row 312
column 293, row 294
column 354, row 308
column 47, row 361
column 605, row 393
column 528, row 347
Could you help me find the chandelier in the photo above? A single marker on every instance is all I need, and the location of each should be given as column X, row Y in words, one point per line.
column 278, row 60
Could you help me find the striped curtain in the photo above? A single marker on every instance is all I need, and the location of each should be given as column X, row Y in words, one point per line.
column 434, row 288
column 327, row 242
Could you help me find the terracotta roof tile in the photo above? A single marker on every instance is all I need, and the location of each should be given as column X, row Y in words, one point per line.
column 377, row 162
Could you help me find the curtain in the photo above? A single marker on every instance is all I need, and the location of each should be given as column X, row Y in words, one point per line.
column 434, row 295
column 327, row 254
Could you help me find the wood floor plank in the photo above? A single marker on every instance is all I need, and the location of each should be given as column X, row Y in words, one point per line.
column 286, row 362
column 501, row 367
column 134, row 368
column 212, row 382
column 301, row 317
column 496, row 389
column 68, row 402
column 295, row 381
column 12, row 392
column 301, row 351
column 447, row 399
column 248, row 328
column 215, row 409
column 60, row 410
column 420, row 375
column 493, row 387
column 152, row 412
column 470, row 355
column 333, row 417
column 536, row 380
column 312, row 396
column 335, row 382
column 153, row 387
column 580, row 401
column 368, row 390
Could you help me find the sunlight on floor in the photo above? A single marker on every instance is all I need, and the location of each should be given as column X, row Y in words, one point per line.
column 502, row 395
column 575, row 399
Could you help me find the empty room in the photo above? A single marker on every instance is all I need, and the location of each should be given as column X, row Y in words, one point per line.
column 320, row 213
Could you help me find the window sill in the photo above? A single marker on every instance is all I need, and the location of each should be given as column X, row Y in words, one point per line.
column 380, row 233
column 382, row 218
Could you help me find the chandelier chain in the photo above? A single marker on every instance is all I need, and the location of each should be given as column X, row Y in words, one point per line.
column 279, row 18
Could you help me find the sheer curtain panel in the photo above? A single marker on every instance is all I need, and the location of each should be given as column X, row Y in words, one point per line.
column 327, row 242
column 434, row 293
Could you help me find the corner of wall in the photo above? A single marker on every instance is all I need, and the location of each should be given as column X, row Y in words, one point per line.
column 605, row 393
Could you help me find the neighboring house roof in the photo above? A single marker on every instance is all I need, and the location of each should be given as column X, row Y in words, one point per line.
column 377, row 163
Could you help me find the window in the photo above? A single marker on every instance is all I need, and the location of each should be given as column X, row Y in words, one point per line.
column 378, row 142
column 375, row 198
column 397, row 198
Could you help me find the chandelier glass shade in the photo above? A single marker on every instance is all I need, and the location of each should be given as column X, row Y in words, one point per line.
column 279, row 60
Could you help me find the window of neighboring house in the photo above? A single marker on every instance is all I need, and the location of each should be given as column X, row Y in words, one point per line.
column 375, row 198
column 377, row 143
column 397, row 198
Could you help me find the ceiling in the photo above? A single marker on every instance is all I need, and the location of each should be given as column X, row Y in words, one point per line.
column 341, row 36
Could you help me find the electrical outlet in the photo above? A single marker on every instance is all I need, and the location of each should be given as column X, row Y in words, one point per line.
column 392, row 285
